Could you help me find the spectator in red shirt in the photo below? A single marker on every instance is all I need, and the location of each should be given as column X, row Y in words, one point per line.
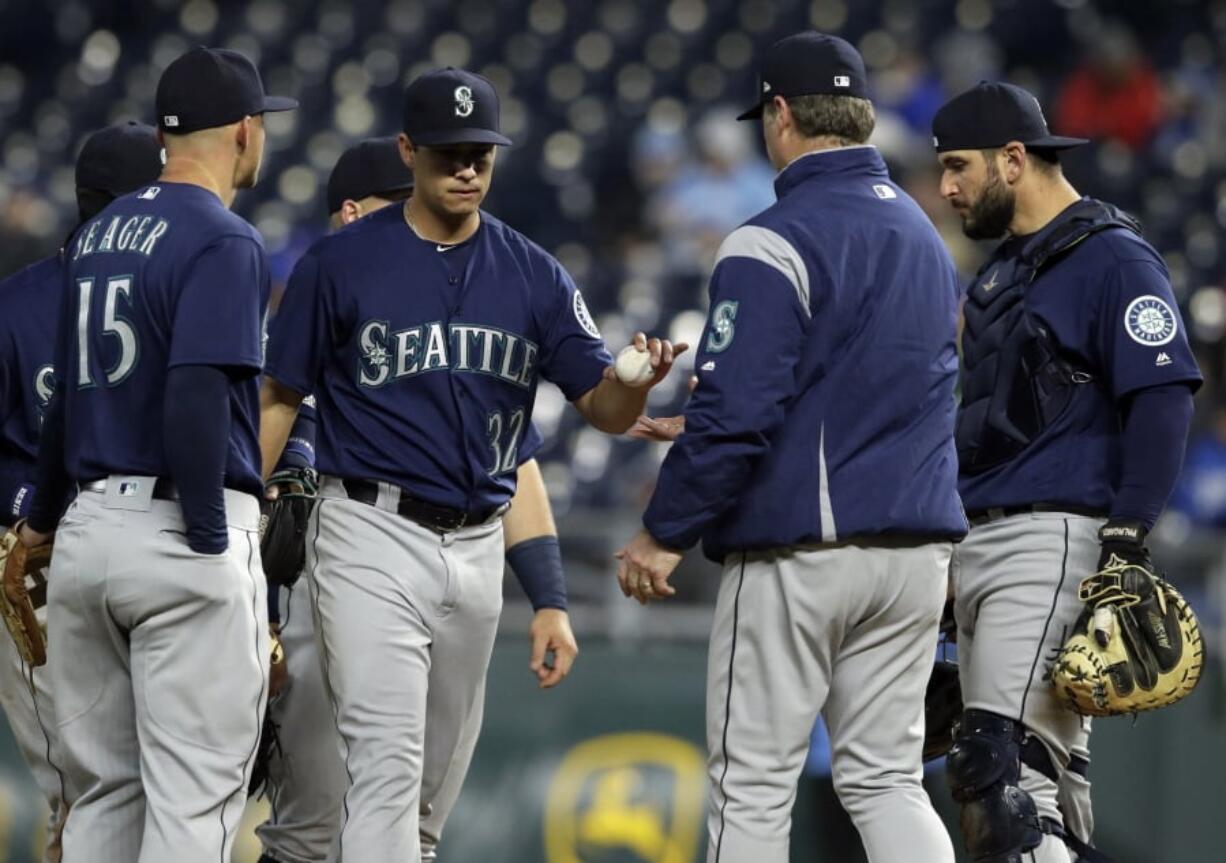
column 1115, row 94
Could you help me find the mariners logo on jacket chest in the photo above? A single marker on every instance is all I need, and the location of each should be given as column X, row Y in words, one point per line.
column 387, row 355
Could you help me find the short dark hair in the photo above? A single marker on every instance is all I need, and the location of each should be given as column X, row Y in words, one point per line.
column 848, row 119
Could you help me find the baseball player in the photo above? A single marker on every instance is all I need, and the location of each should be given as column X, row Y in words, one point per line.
column 1077, row 384
column 306, row 774
column 114, row 161
column 422, row 331
column 156, row 598
column 817, row 465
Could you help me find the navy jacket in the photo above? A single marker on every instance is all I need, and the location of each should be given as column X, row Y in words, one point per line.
column 825, row 404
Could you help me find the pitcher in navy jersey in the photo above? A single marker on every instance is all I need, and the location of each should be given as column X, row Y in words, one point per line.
column 305, row 773
column 422, row 331
column 156, row 596
column 113, row 162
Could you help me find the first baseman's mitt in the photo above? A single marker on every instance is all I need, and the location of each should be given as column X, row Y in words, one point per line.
column 1137, row 646
column 24, row 571
column 283, row 525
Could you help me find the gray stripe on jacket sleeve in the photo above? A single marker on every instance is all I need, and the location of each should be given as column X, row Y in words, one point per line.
column 767, row 247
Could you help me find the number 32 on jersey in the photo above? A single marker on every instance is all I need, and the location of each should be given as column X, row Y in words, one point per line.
column 113, row 325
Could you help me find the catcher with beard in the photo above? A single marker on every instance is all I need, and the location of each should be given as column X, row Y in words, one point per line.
column 1077, row 383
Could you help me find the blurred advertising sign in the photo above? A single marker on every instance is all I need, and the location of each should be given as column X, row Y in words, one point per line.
column 631, row 798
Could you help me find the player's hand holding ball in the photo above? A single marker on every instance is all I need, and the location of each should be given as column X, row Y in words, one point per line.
column 645, row 362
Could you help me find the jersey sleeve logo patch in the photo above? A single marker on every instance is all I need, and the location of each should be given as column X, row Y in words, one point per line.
column 1149, row 321
column 723, row 328
column 584, row 317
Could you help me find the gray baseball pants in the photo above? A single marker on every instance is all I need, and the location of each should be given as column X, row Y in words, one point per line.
column 160, row 674
column 846, row 631
column 306, row 775
column 1015, row 581
column 25, row 696
column 405, row 621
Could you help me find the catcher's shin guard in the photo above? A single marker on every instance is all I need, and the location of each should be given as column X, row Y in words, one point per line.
column 999, row 820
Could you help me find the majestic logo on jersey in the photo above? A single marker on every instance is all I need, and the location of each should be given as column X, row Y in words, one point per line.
column 1164, row 359
column 120, row 234
column 464, row 101
column 722, row 329
column 584, row 317
column 152, row 192
column 990, row 284
column 1150, row 321
column 388, row 356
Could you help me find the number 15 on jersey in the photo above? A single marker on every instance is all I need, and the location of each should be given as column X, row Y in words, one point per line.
column 113, row 328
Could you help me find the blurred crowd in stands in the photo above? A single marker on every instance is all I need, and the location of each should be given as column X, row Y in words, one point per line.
column 628, row 163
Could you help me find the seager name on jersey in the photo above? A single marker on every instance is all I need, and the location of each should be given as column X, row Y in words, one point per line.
column 389, row 356
column 121, row 233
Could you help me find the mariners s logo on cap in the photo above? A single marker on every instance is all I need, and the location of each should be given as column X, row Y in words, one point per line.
column 463, row 101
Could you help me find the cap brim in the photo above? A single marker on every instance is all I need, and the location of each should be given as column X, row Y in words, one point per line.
column 1056, row 142
column 444, row 137
column 279, row 103
column 753, row 113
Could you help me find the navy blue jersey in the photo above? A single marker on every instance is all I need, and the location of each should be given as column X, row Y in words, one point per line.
column 27, row 347
column 825, row 403
column 163, row 277
column 300, row 447
column 425, row 375
column 1109, row 306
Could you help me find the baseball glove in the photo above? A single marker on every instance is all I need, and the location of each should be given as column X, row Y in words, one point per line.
column 942, row 709
column 24, row 570
column 283, row 525
column 943, row 697
column 1137, row 646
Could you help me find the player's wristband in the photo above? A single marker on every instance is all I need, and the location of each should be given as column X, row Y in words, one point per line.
column 297, row 455
column 19, row 503
column 537, row 563
column 1124, row 531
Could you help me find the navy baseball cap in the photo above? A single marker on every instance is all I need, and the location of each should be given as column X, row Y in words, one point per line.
column 991, row 114
column 452, row 106
column 210, row 87
column 120, row 159
column 809, row 64
column 372, row 167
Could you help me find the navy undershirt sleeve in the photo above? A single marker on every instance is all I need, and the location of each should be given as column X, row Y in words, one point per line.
column 51, row 489
column 197, row 430
column 1156, row 423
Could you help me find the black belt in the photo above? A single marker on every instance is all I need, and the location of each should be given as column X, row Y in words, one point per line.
column 993, row 513
column 163, row 488
column 438, row 518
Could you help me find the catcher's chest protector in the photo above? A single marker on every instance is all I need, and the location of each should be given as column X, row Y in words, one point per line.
column 1015, row 382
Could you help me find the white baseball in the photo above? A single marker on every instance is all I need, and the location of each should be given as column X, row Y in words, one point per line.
column 633, row 367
